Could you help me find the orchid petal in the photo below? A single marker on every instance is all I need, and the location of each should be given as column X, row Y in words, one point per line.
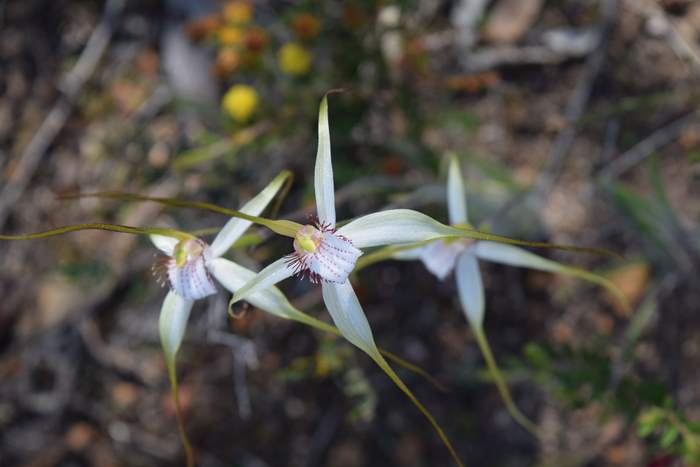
column 233, row 276
column 347, row 314
column 164, row 243
column 393, row 227
column 235, row 227
column 172, row 323
column 191, row 280
column 269, row 276
column 456, row 195
column 514, row 256
column 439, row 257
column 323, row 172
column 334, row 259
column 470, row 288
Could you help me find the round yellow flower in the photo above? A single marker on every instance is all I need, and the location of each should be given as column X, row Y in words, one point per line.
column 294, row 59
column 238, row 12
column 229, row 35
column 240, row 102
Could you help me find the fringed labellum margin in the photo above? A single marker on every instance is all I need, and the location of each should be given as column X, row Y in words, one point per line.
column 322, row 254
column 185, row 271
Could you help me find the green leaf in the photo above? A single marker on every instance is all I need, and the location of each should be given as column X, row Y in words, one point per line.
column 669, row 436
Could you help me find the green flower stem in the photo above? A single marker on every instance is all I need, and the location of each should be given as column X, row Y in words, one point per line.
column 189, row 452
column 101, row 226
column 501, row 384
column 282, row 227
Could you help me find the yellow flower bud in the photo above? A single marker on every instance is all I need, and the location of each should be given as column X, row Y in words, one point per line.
column 238, row 12
column 240, row 102
column 294, row 59
column 229, row 35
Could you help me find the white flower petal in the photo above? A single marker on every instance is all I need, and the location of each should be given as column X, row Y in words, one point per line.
column 235, row 227
column 191, row 280
column 470, row 288
column 269, row 276
column 172, row 323
column 348, row 316
column 440, row 256
column 334, row 258
column 393, row 227
column 456, row 195
column 514, row 256
column 323, row 172
column 164, row 243
column 233, row 277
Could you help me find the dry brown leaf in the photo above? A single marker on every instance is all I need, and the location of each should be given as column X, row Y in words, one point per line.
column 509, row 20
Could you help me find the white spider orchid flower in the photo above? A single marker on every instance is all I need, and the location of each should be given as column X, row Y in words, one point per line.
column 443, row 256
column 327, row 255
column 191, row 266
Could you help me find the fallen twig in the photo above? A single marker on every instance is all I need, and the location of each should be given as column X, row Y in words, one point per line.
column 647, row 147
column 57, row 117
column 575, row 109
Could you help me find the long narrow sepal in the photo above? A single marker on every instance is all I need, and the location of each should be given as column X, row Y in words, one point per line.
column 323, row 171
column 172, row 324
column 101, row 226
column 470, row 288
column 269, row 276
column 282, row 227
column 235, row 227
column 513, row 256
column 271, row 300
column 398, row 226
column 456, row 194
column 501, row 384
column 348, row 316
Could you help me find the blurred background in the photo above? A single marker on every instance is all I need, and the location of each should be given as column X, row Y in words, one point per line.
column 575, row 122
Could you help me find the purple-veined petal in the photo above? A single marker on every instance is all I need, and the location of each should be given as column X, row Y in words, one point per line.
column 456, row 195
column 470, row 288
column 394, row 227
column 172, row 324
column 269, row 276
column 348, row 316
column 323, row 172
column 191, row 280
column 164, row 243
column 440, row 256
column 235, row 227
column 334, row 259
